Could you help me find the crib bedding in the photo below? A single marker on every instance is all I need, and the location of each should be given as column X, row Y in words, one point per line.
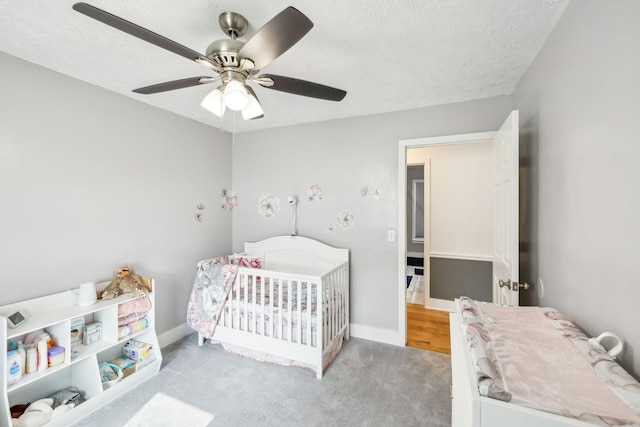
column 214, row 299
column 241, row 301
column 535, row 357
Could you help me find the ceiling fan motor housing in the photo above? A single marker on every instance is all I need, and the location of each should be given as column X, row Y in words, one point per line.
column 224, row 53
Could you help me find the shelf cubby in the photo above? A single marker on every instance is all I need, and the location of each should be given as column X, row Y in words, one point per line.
column 53, row 313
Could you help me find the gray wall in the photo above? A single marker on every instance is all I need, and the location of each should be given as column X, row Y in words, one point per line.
column 342, row 157
column 91, row 180
column 579, row 105
column 453, row 278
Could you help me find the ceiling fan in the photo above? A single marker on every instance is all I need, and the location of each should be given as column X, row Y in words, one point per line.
column 235, row 62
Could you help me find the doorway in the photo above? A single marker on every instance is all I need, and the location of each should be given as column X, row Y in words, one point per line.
column 504, row 200
column 456, row 232
column 404, row 161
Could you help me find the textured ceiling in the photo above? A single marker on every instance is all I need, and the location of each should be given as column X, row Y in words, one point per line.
column 388, row 55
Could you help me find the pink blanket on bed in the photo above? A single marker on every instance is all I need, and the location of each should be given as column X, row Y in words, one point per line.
column 541, row 366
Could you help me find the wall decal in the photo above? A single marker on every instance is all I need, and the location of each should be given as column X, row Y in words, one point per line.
column 364, row 190
column 198, row 215
column 346, row 219
column 377, row 193
column 330, row 229
column 268, row 205
column 314, row 193
column 229, row 200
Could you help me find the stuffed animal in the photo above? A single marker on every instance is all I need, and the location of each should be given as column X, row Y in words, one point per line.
column 126, row 281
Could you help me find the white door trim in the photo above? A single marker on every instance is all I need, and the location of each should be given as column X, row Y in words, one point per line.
column 402, row 215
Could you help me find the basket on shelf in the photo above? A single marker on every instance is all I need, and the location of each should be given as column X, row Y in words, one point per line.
column 110, row 374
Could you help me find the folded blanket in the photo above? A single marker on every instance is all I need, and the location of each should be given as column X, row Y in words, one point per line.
column 138, row 305
column 208, row 295
column 133, row 327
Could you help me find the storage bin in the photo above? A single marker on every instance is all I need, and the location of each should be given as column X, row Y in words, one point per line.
column 110, row 374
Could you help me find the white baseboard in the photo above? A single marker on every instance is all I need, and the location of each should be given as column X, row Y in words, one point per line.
column 175, row 334
column 387, row 336
column 441, row 304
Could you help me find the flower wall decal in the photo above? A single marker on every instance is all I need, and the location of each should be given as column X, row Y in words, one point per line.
column 346, row 219
column 377, row 193
column 330, row 229
column 229, row 200
column 268, row 205
column 314, row 193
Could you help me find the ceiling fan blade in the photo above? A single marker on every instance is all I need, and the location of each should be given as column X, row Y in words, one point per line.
column 136, row 30
column 304, row 88
column 175, row 84
column 276, row 37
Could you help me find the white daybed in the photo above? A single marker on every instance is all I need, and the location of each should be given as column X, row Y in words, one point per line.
column 268, row 310
column 489, row 349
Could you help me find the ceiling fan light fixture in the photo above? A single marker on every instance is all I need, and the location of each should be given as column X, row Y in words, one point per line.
column 235, row 95
column 253, row 110
column 213, row 102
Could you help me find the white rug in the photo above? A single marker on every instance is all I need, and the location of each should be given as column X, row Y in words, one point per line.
column 166, row 411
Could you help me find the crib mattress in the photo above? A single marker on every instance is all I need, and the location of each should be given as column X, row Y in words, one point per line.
column 535, row 357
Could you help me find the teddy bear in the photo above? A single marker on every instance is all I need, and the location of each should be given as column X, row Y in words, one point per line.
column 126, row 281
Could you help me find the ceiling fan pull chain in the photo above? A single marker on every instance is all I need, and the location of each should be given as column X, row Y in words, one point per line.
column 233, row 129
column 221, row 115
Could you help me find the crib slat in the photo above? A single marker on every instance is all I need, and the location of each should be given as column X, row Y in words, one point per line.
column 261, row 324
column 298, row 335
column 332, row 311
column 340, row 301
column 279, row 322
column 336, row 317
column 254, row 303
column 309, row 342
column 245, row 301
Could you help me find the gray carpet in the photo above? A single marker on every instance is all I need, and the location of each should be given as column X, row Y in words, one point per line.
column 369, row 384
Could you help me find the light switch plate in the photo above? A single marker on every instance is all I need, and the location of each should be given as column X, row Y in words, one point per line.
column 391, row 235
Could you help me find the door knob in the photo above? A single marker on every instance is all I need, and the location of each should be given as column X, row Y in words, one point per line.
column 512, row 285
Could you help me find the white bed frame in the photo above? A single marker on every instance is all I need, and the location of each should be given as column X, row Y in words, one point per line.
column 470, row 409
column 289, row 259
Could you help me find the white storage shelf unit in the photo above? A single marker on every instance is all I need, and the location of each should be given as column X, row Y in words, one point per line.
column 54, row 313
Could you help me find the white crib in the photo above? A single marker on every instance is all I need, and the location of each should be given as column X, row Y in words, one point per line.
column 260, row 314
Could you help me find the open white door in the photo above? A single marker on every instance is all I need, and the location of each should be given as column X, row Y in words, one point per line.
column 505, row 213
column 427, row 232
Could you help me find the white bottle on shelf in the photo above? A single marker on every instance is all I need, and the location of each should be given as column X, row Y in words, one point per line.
column 14, row 371
column 23, row 356
column 42, row 352
column 32, row 359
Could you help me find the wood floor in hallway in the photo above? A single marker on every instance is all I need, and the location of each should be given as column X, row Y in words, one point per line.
column 428, row 329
